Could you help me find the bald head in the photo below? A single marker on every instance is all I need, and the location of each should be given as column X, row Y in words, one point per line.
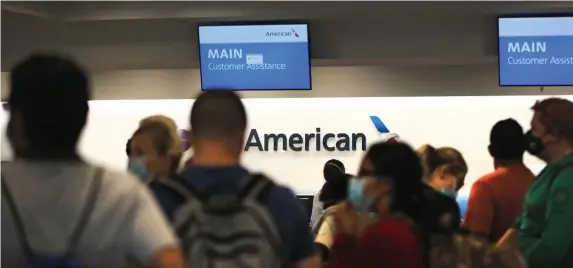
column 218, row 115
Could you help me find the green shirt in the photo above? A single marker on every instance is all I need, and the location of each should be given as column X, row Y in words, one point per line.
column 545, row 227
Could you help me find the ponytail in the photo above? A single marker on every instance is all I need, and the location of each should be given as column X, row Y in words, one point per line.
column 429, row 158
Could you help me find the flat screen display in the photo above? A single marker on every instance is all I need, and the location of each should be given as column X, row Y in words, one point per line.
column 535, row 51
column 255, row 57
column 307, row 201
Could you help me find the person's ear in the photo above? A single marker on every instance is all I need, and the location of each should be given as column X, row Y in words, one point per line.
column 441, row 172
column 490, row 150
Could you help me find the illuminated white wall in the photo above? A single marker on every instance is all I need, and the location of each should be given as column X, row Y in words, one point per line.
column 461, row 122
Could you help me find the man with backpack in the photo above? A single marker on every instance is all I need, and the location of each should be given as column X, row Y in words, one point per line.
column 232, row 218
column 544, row 230
column 58, row 210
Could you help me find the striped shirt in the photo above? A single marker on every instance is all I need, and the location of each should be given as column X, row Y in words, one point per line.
column 125, row 222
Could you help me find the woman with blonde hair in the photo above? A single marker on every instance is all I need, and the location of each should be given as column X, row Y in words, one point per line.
column 445, row 168
column 155, row 149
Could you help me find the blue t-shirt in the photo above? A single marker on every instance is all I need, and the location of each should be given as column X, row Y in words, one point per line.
column 284, row 207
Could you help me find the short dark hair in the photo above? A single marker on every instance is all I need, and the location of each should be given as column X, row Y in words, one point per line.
column 556, row 114
column 51, row 93
column 507, row 140
column 218, row 114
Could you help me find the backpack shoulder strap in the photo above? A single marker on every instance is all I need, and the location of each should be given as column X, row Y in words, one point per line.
column 85, row 214
column 255, row 187
column 185, row 190
column 18, row 223
column 91, row 199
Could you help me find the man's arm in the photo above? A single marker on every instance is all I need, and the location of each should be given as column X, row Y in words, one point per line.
column 479, row 213
column 148, row 236
column 303, row 251
column 556, row 238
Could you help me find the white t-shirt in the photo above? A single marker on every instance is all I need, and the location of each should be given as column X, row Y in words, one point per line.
column 126, row 222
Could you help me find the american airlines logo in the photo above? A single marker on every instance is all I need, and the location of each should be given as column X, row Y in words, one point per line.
column 278, row 34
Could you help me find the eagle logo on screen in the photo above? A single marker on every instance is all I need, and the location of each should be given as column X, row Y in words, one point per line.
column 295, row 33
column 383, row 129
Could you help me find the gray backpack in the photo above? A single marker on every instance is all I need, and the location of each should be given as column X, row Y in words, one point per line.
column 228, row 230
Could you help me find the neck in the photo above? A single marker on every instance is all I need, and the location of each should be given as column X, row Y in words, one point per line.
column 214, row 153
column 559, row 151
column 498, row 163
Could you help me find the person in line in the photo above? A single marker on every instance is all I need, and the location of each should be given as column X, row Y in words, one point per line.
column 155, row 149
column 155, row 156
column 54, row 204
column 333, row 170
column 496, row 199
column 543, row 231
column 218, row 124
column 444, row 171
column 445, row 168
column 386, row 184
column 332, row 194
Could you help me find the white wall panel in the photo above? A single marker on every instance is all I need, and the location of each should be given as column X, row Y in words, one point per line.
column 461, row 122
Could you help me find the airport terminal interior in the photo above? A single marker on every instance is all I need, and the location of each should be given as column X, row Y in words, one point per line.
column 319, row 80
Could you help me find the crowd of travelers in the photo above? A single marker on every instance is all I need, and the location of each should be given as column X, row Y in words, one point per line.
column 207, row 211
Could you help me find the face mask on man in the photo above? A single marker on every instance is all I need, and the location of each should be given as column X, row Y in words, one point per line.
column 533, row 144
column 137, row 166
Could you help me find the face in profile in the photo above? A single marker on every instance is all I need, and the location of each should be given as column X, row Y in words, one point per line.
column 376, row 188
column 539, row 131
column 448, row 177
column 142, row 148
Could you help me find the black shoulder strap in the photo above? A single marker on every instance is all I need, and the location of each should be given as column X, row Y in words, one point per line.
column 85, row 214
column 256, row 187
column 184, row 189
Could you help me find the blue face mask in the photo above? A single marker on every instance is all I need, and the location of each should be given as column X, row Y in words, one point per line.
column 451, row 192
column 359, row 201
column 137, row 166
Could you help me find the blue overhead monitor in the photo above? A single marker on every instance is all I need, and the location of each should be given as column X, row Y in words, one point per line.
column 255, row 57
column 535, row 51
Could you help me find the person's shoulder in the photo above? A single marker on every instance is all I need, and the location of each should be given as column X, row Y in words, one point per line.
column 282, row 201
column 436, row 198
column 282, row 195
column 564, row 177
column 120, row 186
column 490, row 177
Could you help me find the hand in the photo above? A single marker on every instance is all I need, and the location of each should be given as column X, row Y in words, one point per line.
column 345, row 218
